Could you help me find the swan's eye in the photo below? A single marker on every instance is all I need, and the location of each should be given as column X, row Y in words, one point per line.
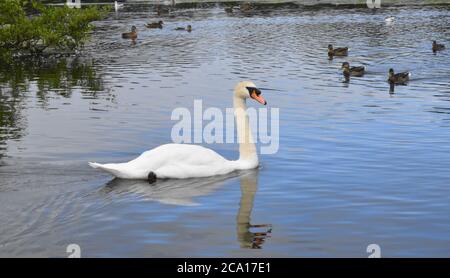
column 253, row 90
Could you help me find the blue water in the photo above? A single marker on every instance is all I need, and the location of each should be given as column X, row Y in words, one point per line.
column 357, row 164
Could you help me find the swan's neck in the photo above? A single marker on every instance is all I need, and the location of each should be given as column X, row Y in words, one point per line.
column 247, row 148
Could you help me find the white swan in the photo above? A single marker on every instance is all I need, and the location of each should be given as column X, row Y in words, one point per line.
column 117, row 6
column 192, row 161
column 389, row 19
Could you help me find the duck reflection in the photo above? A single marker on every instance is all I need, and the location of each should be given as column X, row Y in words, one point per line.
column 246, row 237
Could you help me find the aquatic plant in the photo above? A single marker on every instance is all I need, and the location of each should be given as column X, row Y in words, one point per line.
column 31, row 28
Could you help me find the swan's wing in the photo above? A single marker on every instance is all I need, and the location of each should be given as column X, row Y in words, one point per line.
column 181, row 161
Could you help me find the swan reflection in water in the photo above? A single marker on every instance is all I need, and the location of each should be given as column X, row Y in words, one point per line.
column 183, row 192
column 246, row 237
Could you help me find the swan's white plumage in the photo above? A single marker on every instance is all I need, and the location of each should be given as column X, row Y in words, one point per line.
column 117, row 6
column 172, row 161
column 192, row 161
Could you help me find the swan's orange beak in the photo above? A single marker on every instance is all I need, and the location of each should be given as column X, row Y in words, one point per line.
column 254, row 95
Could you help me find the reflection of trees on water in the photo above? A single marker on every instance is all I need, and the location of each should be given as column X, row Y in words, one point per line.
column 59, row 76
column 46, row 78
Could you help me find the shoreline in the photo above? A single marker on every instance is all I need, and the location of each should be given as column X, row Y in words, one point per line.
column 356, row 3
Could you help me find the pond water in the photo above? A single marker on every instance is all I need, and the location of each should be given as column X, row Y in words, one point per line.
column 357, row 164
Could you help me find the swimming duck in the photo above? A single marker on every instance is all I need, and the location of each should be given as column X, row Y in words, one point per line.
column 399, row 78
column 160, row 10
column 229, row 10
column 340, row 51
column 188, row 28
column 437, row 46
column 130, row 35
column 352, row 71
column 245, row 7
column 155, row 25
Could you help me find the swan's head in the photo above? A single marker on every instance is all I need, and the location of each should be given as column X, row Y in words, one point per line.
column 248, row 89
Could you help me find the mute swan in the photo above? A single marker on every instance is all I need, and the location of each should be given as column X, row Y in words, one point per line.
column 181, row 161
column 117, row 6
column 389, row 19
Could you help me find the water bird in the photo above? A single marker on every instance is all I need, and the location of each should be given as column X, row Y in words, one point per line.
column 352, row 71
column 180, row 161
column 158, row 24
column 437, row 46
column 162, row 10
column 246, row 7
column 340, row 51
column 117, row 6
column 188, row 28
column 398, row 78
column 130, row 35
column 229, row 10
column 389, row 19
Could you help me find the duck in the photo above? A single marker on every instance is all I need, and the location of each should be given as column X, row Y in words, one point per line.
column 188, row 28
column 398, row 78
column 158, row 24
column 340, row 51
column 246, row 7
column 229, row 10
column 352, row 71
column 117, row 6
column 437, row 46
column 182, row 161
column 162, row 10
column 130, row 35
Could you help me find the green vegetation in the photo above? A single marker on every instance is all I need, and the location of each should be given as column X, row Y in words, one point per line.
column 30, row 28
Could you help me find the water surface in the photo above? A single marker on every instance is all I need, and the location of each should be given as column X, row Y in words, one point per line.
column 357, row 164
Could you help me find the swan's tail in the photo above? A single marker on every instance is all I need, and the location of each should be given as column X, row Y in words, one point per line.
column 110, row 168
column 94, row 165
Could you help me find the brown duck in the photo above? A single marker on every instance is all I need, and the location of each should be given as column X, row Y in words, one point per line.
column 437, row 46
column 352, row 71
column 130, row 35
column 155, row 25
column 398, row 78
column 340, row 51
